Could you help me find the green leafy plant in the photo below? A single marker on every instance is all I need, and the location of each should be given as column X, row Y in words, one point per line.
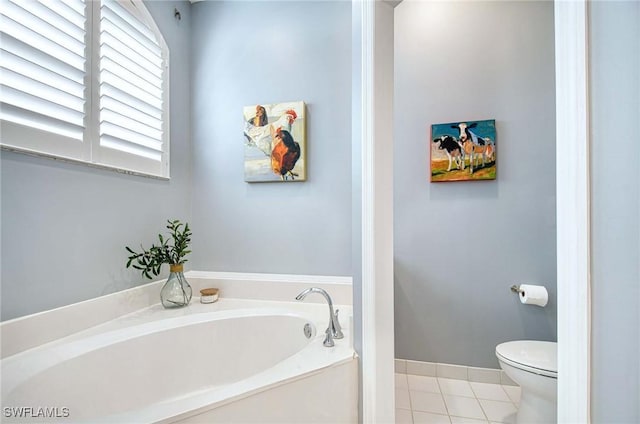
column 149, row 261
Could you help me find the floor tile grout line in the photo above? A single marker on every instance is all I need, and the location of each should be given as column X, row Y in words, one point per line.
column 410, row 401
column 474, row 392
column 483, row 411
column 425, row 391
column 480, row 403
column 468, row 418
column 495, row 400
column 442, row 397
column 466, row 397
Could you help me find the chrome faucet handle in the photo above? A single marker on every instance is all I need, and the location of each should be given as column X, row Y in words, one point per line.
column 333, row 329
column 336, row 328
column 328, row 339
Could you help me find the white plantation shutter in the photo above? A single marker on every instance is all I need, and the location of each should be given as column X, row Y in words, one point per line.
column 42, row 76
column 86, row 81
column 132, row 88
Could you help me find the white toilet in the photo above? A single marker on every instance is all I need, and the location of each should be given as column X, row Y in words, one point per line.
column 534, row 366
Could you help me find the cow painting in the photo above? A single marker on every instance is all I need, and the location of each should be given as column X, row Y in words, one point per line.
column 463, row 151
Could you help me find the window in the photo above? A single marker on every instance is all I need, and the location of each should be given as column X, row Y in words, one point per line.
column 85, row 81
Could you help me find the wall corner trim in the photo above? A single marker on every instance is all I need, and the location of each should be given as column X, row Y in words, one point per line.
column 573, row 209
column 376, row 97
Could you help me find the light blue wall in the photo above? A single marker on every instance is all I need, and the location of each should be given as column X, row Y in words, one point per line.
column 269, row 52
column 459, row 246
column 614, row 44
column 64, row 226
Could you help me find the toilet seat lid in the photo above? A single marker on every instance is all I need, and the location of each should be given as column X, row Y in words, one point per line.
column 533, row 354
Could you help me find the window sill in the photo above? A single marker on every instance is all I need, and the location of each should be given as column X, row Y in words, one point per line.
column 81, row 162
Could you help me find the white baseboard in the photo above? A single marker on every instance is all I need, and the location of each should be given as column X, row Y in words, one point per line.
column 457, row 372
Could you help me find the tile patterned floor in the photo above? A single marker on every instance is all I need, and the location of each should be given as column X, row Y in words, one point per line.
column 435, row 400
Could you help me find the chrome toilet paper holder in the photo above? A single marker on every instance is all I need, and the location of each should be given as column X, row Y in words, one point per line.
column 516, row 289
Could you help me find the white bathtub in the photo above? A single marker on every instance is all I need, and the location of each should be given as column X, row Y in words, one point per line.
column 206, row 363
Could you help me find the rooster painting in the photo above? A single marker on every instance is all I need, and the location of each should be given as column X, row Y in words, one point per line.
column 275, row 142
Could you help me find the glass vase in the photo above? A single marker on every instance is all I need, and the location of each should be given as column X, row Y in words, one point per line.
column 176, row 292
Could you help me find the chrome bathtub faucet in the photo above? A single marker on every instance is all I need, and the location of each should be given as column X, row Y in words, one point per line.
column 334, row 330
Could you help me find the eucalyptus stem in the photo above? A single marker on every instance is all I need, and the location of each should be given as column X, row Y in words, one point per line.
column 150, row 261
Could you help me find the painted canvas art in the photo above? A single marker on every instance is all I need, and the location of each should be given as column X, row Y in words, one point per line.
column 274, row 140
column 463, row 151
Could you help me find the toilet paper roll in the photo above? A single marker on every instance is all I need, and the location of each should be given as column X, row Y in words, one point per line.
column 533, row 295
